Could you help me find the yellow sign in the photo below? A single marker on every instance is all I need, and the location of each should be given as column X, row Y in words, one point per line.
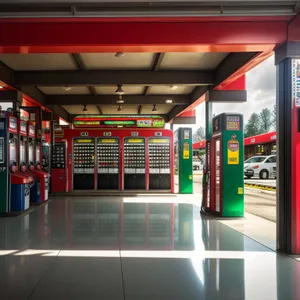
column 159, row 141
column 186, row 150
column 108, row 140
column 135, row 141
column 233, row 152
column 84, row 141
column 240, row 191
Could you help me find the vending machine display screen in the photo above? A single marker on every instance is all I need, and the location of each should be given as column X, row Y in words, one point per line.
column 84, row 156
column 59, row 155
column 108, row 155
column 30, row 153
column 233, row 123
column 22, row 153
column 37, row 154
column 1, row 150
column 134, row 156
column 159, row 156
column 12, row 152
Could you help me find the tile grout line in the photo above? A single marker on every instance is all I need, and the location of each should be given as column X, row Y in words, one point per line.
column 121, row 265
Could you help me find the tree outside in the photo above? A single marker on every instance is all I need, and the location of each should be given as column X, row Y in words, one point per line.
column 266, row 120
column 253, row 127
column 199, row 135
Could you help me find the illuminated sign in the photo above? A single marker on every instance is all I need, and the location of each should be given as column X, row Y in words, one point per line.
column 13, row 123
column 233, row 123
column 135, row 141
column 118, row 121
column 108, row 141
column 84, row 141
column 158, row 141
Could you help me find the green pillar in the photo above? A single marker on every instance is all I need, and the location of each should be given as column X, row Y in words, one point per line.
column 184, row 160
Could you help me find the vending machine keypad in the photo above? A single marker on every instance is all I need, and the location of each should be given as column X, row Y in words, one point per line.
column 84, row 156
column 134, row 156
column 159, row 156
column 59, row 156
column 108, row 156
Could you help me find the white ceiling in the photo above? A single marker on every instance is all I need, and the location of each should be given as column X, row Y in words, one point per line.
column 192, row 61
column 38, row 62
column 108, row 61
column 165, row 90
column 128, row 89
column 112, row 109
column 126, row 109
column 161, row 109
column 60, row 90
column 77, row 109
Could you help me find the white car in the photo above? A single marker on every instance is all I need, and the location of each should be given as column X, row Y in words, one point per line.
column 260, row 166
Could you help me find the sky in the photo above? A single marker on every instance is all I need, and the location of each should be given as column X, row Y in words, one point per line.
column 261, row 93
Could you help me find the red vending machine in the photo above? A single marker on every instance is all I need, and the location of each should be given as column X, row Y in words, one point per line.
column 42, row 177
column 19, row 195
column 35, row 196
column 118, row 153
column 58, row 167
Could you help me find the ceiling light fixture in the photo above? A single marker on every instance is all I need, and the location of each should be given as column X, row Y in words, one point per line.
column 119, row 90
column 154, row 108
column 1, row 87
column 120, row 100
column 119, row 54
column 119, row 108
column 173, row 87
column 84, row 108
column 67, row 88
column 169, row 101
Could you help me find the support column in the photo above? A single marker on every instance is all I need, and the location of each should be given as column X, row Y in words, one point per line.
column 288, row 145
column 208, row 135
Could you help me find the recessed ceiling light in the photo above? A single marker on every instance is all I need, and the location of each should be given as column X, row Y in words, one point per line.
column 1, row 87
column 169, row 101
column 67, row 88
column 120, row 100
column 119, row 54
column 173, row 87
column 119, row 90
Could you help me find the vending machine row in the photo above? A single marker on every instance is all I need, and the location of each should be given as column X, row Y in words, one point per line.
column 21, row 183
column 115, row 160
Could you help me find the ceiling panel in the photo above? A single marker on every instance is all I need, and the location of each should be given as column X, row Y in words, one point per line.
column 106, row 61
column 50, row 90
column 165, row 89
column 128, row 89
column 77, row 109
column 192, row 60
column 38, row 62
column 126, row 109
column 161, row 109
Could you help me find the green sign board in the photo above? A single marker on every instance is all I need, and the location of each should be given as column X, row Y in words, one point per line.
column 184, row 160
column 100, row 121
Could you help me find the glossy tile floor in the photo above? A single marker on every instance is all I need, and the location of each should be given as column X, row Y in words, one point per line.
column 118, row 248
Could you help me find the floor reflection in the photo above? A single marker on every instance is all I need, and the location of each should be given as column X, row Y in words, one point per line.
column 141, row 250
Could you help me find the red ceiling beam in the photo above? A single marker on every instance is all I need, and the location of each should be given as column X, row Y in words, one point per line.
column 229, row 36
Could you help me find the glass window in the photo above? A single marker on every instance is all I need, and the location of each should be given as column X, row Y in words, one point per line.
column 256, row 159
column 271, row 159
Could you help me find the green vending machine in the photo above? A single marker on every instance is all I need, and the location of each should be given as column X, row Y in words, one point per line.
column 183, row 160
column 227, row 166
